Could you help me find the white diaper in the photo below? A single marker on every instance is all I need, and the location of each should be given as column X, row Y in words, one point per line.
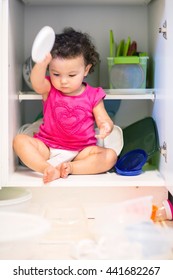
column 58, row 156
column 113, row 141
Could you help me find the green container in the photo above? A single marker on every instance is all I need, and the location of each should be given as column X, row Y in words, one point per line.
column 127, row 72
column 142, row 134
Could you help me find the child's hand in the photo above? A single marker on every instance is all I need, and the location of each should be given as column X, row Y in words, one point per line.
column 105, row 129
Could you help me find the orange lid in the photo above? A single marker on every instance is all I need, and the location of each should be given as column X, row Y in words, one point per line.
column 153, row 214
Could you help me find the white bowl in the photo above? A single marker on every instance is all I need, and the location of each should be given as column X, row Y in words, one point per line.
column 20, row 234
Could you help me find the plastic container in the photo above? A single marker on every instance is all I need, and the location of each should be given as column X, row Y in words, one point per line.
column 142, row 134
column 118, row 215
column 152, row 242
column 68, row 222
column 162, row 213
column 127, row 71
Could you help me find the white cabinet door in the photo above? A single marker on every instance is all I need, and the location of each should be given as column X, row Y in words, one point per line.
column 169, row 94
column 3, row 92
column 161, row 51
column 0, row 92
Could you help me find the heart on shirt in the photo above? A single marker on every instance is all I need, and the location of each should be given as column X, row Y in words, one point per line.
column 69, row 119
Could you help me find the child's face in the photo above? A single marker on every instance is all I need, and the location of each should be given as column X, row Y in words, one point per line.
column 67, row 74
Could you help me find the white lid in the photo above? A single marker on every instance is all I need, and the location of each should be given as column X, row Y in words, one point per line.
column 43, row 43
column 11, row 196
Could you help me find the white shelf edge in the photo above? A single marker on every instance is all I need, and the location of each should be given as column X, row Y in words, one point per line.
column 29, row 95
column 89, row 2
column 112, row 94
column 25, row 177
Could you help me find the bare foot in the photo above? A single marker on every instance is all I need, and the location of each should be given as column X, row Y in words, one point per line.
column 51, row 173
column 65, row 169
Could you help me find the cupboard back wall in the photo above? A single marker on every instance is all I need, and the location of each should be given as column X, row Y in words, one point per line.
column 96, row 20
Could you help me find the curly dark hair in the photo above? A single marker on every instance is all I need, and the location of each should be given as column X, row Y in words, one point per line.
column 71, row 43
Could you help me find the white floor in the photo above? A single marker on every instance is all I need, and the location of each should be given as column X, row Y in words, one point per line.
column 67, row 241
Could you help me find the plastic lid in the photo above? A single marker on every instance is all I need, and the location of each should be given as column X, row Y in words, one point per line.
column 11, row 196
column 131, row 163
column 43, row 43
column 128, row 173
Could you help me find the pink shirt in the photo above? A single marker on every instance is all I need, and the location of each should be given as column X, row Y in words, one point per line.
column 68, row 121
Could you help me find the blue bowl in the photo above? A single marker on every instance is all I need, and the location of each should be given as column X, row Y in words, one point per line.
column 131, row 163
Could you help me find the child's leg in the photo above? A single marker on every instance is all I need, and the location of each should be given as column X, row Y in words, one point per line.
column 34, row 154
column 91, row 160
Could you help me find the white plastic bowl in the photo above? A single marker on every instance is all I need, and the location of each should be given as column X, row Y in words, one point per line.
column 20, row 234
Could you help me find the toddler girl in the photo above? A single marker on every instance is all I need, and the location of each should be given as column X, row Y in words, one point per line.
column 66, row 142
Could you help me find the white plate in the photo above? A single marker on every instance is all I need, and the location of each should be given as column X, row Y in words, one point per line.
column 43, row 43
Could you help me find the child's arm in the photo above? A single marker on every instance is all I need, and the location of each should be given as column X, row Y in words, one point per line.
column 103, row 121
column 40, row 84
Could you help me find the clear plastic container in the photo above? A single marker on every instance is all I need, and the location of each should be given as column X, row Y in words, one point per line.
column 162, row 213
column 68, row 222
column 127, row 71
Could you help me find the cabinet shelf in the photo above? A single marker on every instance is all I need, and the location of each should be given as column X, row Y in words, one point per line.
column 90, row 2
column 115, row 94
column 151, row 178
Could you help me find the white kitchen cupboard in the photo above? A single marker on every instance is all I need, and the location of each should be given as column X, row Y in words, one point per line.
column 21, row 20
